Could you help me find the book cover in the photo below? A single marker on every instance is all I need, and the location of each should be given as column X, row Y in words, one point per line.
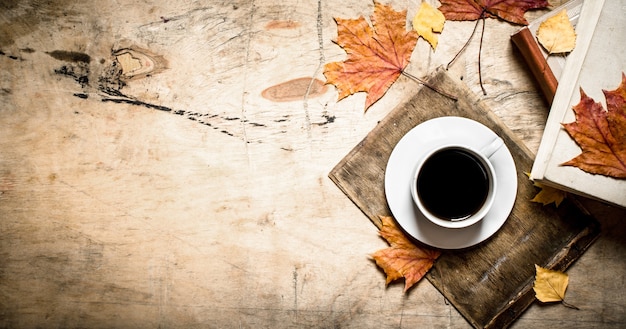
column 595, row 64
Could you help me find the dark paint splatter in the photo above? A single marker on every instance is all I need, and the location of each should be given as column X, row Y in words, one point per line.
column 329, row 118
column 138, row 103
column 70, row 56
column 80, row 73
column 110, row 81
column 13, row 57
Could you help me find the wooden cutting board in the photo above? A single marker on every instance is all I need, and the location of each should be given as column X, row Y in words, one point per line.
column 490, row 284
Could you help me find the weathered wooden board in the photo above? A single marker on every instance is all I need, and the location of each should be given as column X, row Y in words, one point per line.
column 491, row 283
column 190, row 189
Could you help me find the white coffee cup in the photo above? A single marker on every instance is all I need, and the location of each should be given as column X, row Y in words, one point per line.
column 454, row 185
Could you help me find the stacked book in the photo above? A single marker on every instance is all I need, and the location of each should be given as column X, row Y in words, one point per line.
column 595, row 64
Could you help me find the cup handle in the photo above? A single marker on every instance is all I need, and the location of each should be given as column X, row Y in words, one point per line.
column 491, row 148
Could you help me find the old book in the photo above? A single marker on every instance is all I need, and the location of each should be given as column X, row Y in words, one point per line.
column 546, row 69
column 595, row 64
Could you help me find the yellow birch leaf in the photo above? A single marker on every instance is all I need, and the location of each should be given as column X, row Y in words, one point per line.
column 556, row 34
column 550, row 286
column 427, row 21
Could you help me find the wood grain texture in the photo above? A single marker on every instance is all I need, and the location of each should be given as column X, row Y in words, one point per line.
column 182, row 198
column 491, row 283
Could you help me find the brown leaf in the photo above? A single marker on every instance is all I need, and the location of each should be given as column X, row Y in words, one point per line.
column 509, row 10
column 601, row 134
column 376, row 55
column 403, row 258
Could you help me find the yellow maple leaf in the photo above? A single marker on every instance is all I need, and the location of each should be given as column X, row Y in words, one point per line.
column 550, row 286
column 403, row 258
column 556, row 34
column 548, row 194
column 427, row 21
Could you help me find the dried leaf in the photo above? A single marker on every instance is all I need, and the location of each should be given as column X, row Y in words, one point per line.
column 550, row 286
column 403, row 258
column 376, row 55
column 477, row 10
column 509, row 10
column 601, row 134
column 427, row 22
column 548, row 194
column 556, row 34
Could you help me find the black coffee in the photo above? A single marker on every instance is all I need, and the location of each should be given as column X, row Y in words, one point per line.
column 453, row 184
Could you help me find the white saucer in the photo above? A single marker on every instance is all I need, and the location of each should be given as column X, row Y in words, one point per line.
column 412, row 147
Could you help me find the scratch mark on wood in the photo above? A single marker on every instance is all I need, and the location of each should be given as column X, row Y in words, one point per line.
column 295, row 293
column 246, row 64
column 138, row 103
column 494, row 268
column 322, row 59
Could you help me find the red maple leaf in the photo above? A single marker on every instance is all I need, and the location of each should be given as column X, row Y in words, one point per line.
column 477, row 10
column 601, row 134
column 509, row 10
column 376, row 55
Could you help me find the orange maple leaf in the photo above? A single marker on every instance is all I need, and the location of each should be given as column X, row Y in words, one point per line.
column 376, row 55
column 601, row 134
column 509, row 10
column 403, row 258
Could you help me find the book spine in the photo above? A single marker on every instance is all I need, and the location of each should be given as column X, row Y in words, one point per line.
column 538, row 65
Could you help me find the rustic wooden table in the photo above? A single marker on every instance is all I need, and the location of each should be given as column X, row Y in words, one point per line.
column 149, row 177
